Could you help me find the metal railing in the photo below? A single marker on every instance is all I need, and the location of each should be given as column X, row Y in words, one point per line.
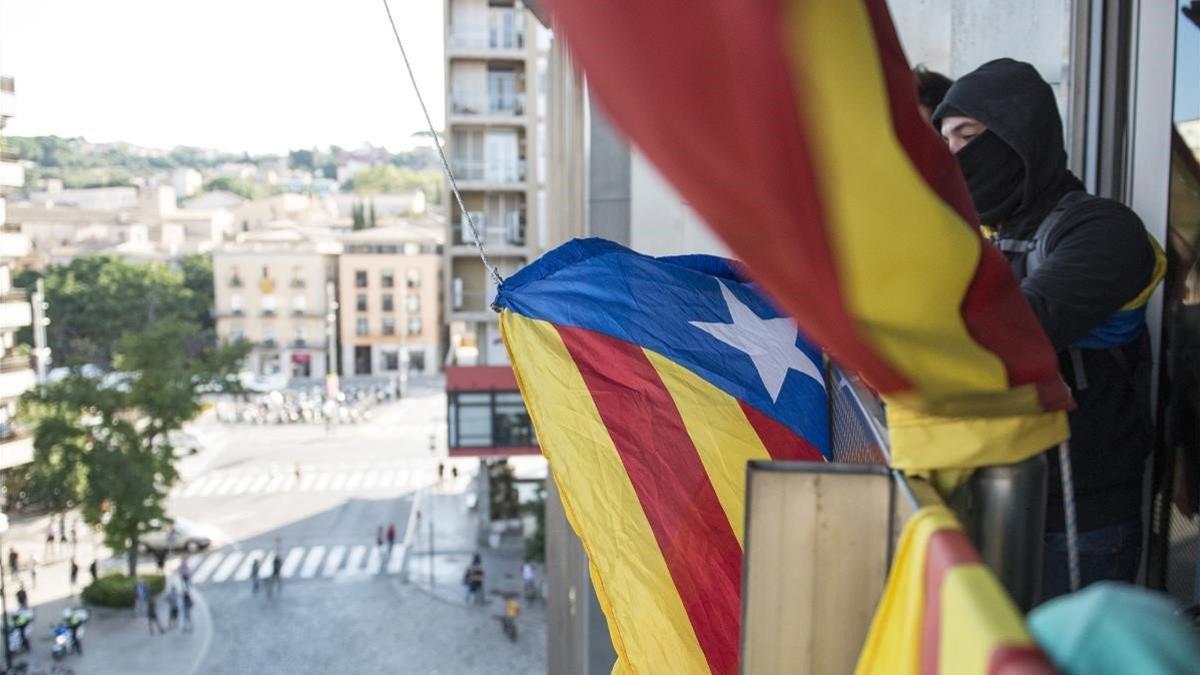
column 14, row 362
column 496, row 36
column 489, row 170
column 464, row 103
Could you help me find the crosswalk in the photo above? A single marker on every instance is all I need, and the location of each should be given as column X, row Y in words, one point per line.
column 299, row 562
column 321, row 477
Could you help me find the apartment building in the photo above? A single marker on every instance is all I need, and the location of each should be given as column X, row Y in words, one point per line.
column 271, row 288
column 389, row 301
column 491, row 131
column 16, row 367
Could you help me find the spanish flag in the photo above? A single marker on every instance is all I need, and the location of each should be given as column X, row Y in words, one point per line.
column 651, row 382
column 792, row 127
column 944, row 612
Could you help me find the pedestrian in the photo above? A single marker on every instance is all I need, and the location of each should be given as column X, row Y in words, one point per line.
column 276, row 571
column 379, row 537
column 454, row 471
column 33, row 564
column 172, row 607
column 141, row 595
column 473, row 580
column 14, row 560
column 152, row 615
column 160, row 560
column 48, row 549
column 297, row 472
column 254, row 567
column 74, row 575
column 529, row 576
column 187, row 610
column 22, row 598
column 93, row 569
column 1083, row 263
column 441, row 471
column 391, row 538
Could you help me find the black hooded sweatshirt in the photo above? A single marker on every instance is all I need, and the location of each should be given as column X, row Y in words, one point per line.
column 1099, row 259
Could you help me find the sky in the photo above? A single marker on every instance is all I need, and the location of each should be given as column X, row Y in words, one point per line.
column 261, row 76
column 1187, row 75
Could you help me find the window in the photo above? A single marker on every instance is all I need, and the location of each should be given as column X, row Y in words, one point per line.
column 362, row 360
column 235, row 279
column 389, row 302
column 237, row 303
column 413, row 278
column 489, row 419
column 299, row 304
column 298, row 337
column 236, row 333
column 266, row 272
column 391, row 361
column 389, row 325
column 360, row 279
column 361, row 327
column 414, row 325
column 414, row 302
column 360, row 302
column 269, row 304
column 387, row 278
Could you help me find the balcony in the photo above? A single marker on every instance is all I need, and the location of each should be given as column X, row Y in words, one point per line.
column 468, row 103
column 504, row 32
column 268, row 343
column 502, row 174
column 235, row 282
column 267, row 313
column 504, row 230
column 15, row 311
column 11, row 174
column 14, row 363
column 16, row 382
column 13, row 244
column 297, row 283
column 16, row 447
column 298, row 343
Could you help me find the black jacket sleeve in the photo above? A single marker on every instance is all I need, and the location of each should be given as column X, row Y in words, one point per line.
column 1099, row 258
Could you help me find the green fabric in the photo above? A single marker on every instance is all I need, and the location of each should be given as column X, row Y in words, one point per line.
column 1119, row 629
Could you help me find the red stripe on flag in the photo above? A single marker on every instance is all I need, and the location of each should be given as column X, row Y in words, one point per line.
column 947, row 548
column 692, row 530
column 781, row 443
column 1019, row 660
column 993, row 300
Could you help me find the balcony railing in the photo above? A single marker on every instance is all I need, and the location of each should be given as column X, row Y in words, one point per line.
column 503, row 32
column 506, row 230
column 464, row 103
column 489, row 170
column 297, row 283
column 269, row 343
column 267, row 313
column 14, row 363
column 299, row 343
column 235, row 282
column 15, row 295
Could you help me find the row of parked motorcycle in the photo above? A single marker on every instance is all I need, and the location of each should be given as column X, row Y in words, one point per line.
column 66, row 636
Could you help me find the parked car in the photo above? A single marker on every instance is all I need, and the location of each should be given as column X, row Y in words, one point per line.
column 181, row 535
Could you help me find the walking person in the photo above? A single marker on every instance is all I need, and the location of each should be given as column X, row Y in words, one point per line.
column 152, row 615
column 74, row 575
column 22, row 598
column 187, row 610
column 93, row 570
column 33, row 563
column 141, row 595
column 13, row 561
column 172, row 607
column 276, row 572
column 254, row 567
column 48, row 549
column 379, row 537
column 185, row 574
column 391, row 539
column 473, row 579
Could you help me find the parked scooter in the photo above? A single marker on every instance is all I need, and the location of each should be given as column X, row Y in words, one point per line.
column 67, row 635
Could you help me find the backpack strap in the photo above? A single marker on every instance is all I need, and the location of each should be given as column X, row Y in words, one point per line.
column 1040, row 244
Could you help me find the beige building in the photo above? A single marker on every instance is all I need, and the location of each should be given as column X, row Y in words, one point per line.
column 389, row 301
column 270, row 289
column 491, row 131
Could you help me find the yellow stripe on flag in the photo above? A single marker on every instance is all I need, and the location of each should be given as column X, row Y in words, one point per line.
column 977, row 617
column 719, row 429
column 647, row 620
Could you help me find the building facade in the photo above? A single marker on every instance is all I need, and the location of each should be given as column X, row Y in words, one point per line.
column 491, row 135
column 389, row 301
column 16, row 366
column 272, row 290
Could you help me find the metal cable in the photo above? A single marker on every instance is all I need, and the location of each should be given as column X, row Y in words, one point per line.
column 442, row 154
column 1068, row 488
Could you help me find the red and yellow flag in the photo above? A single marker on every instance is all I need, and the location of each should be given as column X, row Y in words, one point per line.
column 944, row 612
column 792, row 127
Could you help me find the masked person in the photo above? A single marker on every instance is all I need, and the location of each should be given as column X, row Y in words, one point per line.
column 1087, row 266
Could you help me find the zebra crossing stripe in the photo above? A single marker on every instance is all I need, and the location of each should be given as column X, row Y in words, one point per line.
column 356, row 480
column 206, row 569
column 323, row 482
column 291, row 562
column 259, row 483
column 338, row 481
column 226, row 485
column 276, row 483
column 371, row 480
column 227, row 567
column 374, row 561
column 333, row 561
column 386, row 479
column 243, row 571
column 306, row 482
column 311, row 562
column 396, row 559
column 356, row 557
column 264, row 571
column 242, row 485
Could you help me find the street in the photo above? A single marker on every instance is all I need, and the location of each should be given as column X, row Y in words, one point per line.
column 317, row 498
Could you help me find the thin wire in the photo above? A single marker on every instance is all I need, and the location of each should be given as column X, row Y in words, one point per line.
column 442, row 154
column 1068, row 488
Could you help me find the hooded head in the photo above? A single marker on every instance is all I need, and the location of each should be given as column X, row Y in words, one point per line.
column 1021, row 157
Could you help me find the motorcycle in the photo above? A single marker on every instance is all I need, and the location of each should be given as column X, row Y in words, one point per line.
column 67, row 635
column 18, row 630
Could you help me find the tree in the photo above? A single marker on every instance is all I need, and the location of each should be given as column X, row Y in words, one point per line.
column 371, row 222
column 301, row 159
column 115, row 430
column 386, row 178
column 238, row 186
column 197, row 271
column 358, row 222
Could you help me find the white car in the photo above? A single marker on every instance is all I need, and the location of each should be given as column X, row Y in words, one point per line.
column 181, row 535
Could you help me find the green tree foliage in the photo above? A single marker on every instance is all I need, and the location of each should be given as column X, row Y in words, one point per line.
column 357, row 220
column 371, row 221
column 109, row 437
column 302, row 159
column 535, row 543
column 94, row 301
column 387, row 178
column 238, row 186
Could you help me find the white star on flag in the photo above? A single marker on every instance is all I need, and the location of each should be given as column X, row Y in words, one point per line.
column 770, row 343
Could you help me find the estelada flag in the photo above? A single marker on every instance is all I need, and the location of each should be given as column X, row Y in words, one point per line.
column 651, row 382
column 792, row 128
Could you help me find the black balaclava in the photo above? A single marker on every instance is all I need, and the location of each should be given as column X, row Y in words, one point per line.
column 995, row 174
